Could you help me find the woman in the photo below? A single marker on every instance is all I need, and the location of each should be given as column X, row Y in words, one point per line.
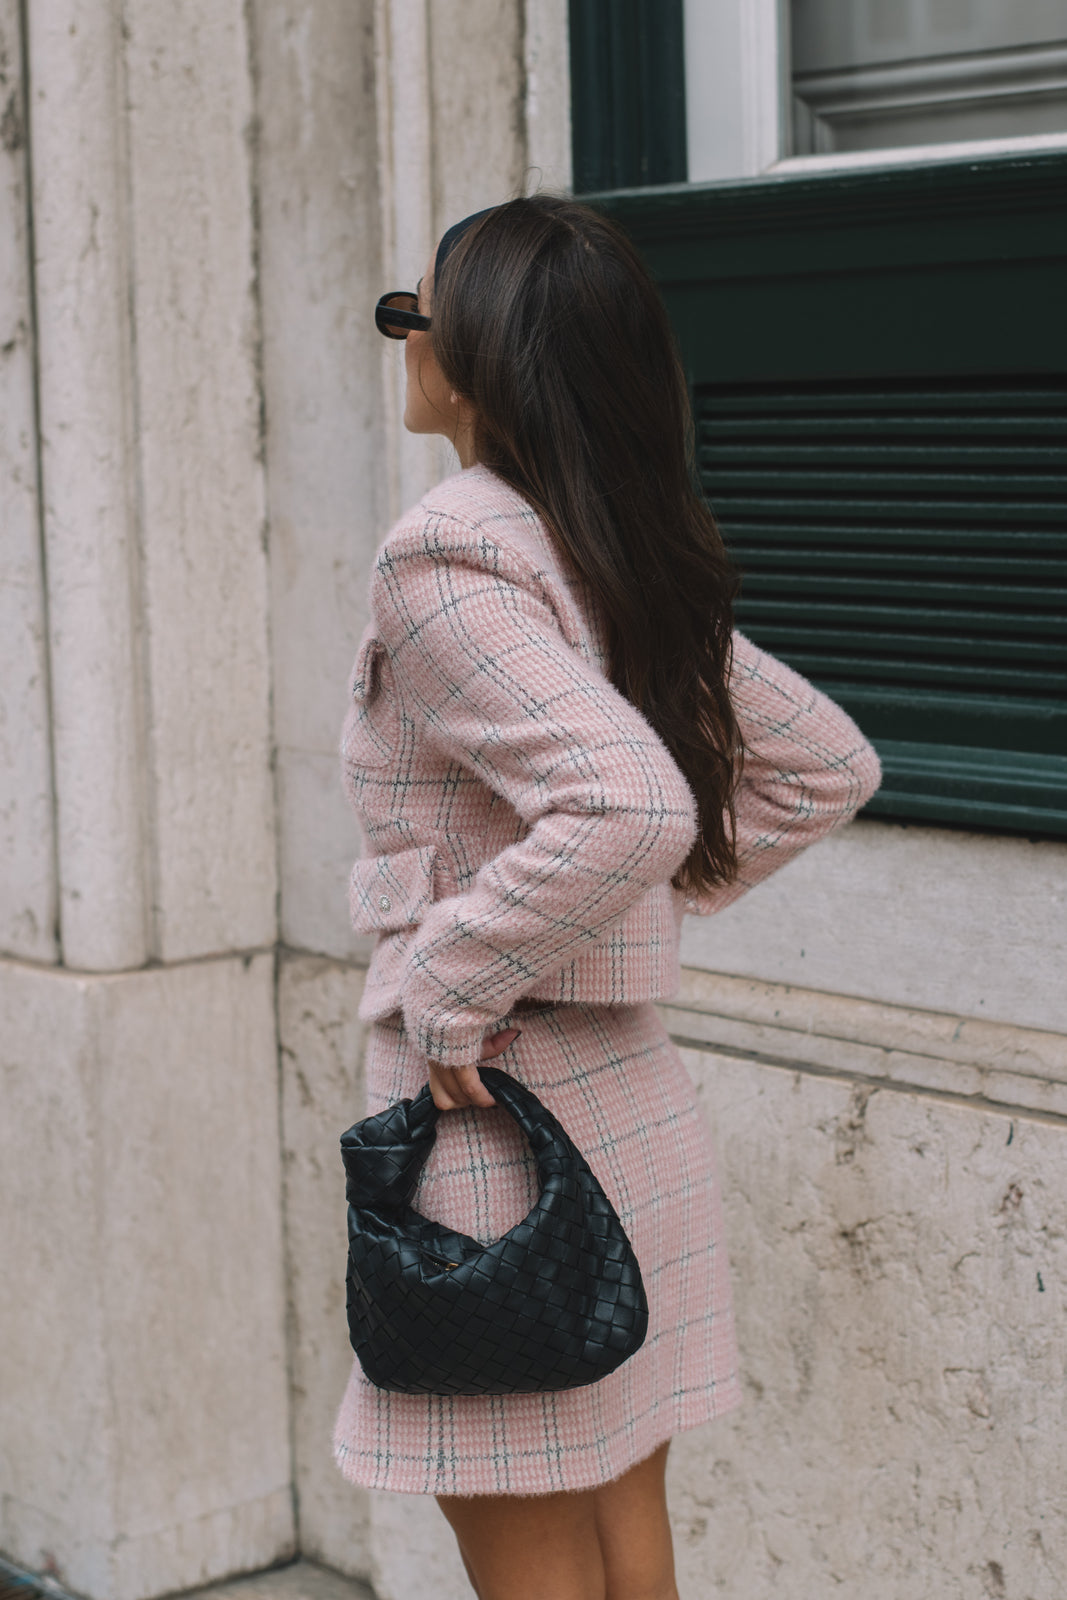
column 556, row 745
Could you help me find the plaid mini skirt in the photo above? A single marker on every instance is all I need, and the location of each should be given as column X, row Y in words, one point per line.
column 617, row 1084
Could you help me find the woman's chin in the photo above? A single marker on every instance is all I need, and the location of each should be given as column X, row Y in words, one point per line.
column 416, row 423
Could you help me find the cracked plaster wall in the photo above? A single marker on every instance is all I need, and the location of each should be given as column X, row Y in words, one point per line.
column 900, row 1279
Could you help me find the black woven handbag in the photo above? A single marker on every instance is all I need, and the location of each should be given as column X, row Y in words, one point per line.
column 556, row 1303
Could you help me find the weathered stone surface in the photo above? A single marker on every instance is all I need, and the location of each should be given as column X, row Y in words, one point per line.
column 57, row 1438
column 548, row 100
column 900, row 1267
column 27, row 838
column 321, row 271
column 476, row 72
column 972, row 924
column 406, row 141
column 201, row 478
column 413, row 1550
column 303, row 1580
column 89, row 478
column 322, row 1095
column 320, row 275
column 319, row 840
column 152, row 482
column 143, row 1403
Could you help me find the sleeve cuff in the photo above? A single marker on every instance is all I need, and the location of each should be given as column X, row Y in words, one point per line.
column 450, row 1041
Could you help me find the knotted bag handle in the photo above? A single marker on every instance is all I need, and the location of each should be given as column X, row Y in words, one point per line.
column 408, row 1133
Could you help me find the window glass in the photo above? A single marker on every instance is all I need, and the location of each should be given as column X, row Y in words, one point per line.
column 877, row 74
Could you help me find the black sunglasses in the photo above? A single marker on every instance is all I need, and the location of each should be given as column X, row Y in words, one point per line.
column 396, row 314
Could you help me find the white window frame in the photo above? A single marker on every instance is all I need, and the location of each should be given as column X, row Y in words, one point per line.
column 739, row 102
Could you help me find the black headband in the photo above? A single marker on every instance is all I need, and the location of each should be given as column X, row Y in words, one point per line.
column 454, row 234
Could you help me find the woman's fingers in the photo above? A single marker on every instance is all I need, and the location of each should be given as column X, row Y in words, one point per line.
column 452, row 1087
column 494, row 1044
column 440, row 1088
column 470, row 1084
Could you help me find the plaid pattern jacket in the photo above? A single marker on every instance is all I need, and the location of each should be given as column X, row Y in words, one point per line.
column 522, row 820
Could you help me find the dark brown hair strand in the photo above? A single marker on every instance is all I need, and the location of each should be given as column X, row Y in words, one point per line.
column 547, row 321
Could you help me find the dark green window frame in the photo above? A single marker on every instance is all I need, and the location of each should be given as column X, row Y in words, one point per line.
column 627, row 93
column 878, row 362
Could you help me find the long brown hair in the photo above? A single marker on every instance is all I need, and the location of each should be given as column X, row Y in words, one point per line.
column 547, row 321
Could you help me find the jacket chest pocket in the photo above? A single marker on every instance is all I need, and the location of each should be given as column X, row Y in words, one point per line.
column 371, row 735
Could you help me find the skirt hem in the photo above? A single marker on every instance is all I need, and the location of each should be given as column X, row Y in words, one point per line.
column 581, row 1474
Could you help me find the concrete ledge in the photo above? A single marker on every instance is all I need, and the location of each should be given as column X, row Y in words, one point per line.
column 931, row 1051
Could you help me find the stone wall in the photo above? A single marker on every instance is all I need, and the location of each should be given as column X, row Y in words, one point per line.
column 144, row 1440
column 897, row 1221
column 199, row 204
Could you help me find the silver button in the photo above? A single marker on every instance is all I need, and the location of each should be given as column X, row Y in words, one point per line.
column 384, row 903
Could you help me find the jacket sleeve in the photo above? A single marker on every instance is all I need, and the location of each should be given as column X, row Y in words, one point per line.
column 807, row 769
column 481, row 663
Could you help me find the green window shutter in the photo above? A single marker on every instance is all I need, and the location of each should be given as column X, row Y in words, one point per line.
column 627, row 93
column 879, row 368
column 904, row 545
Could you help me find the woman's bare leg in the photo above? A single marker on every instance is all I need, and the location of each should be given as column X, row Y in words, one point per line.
column 634, row 1532
column 544, row 1547
column 610, row 1543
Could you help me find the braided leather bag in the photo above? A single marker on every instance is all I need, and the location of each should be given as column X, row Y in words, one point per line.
column 556, row 1303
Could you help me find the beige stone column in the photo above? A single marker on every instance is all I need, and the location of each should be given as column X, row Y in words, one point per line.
column 82, row 273
column 144, row 1424
column 153, row 503
column 27, row 837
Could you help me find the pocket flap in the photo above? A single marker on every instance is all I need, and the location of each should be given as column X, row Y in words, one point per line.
column 364, row 678
column 387, row 893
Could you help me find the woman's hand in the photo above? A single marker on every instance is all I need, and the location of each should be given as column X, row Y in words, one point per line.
column 453, row 1087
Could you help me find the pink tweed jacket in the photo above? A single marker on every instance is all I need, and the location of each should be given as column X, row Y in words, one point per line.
column 522, row 820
